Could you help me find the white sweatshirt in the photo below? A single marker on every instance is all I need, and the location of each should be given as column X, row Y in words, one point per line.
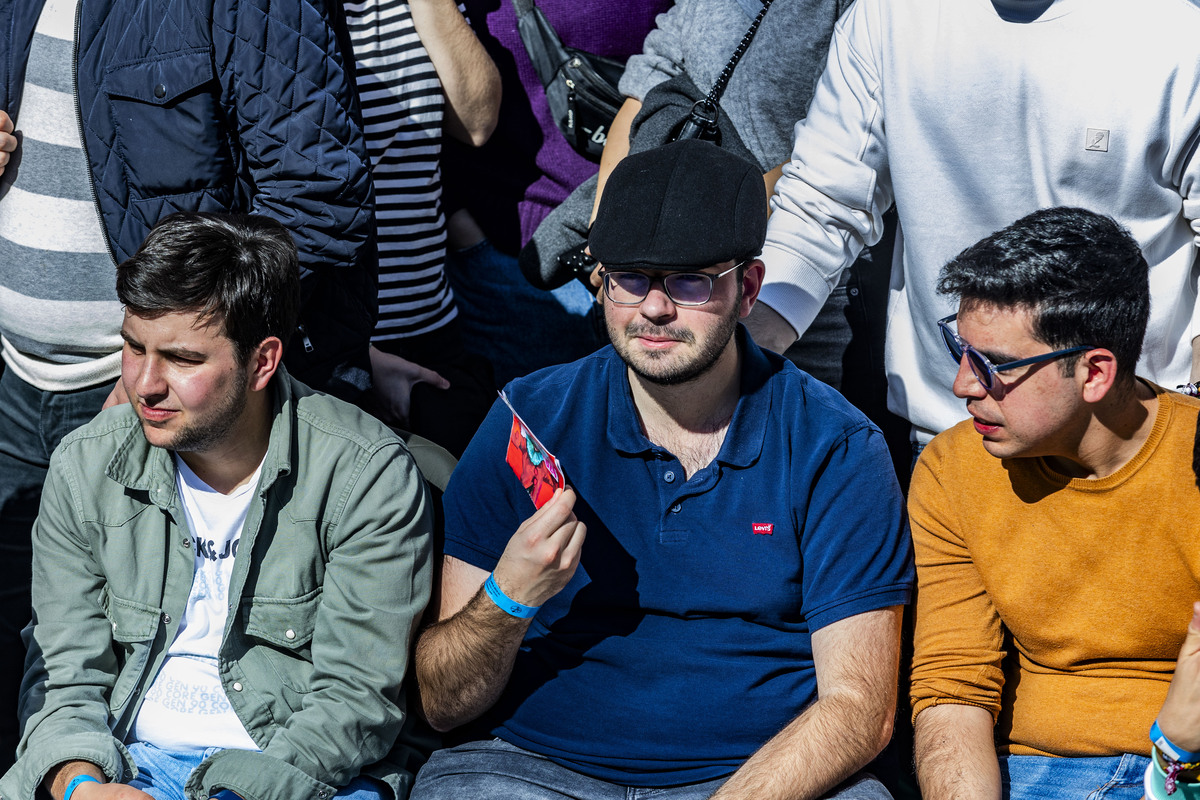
column 969, row 122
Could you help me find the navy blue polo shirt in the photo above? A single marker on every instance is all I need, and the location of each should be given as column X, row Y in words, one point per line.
column 682, row 643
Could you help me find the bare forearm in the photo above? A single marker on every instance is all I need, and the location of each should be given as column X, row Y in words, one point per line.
column 769, row 180
column 834, row 738
column 463, row 663
column 468, row 75
column 956, row 754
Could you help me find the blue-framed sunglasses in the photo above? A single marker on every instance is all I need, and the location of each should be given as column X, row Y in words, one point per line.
column 984, row 370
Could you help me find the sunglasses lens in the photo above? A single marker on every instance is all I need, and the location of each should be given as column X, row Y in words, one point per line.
column 688, row 288
column 950, row 342
column 980, row 368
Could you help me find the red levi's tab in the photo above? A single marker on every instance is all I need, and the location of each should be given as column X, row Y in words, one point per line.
column 765, row 528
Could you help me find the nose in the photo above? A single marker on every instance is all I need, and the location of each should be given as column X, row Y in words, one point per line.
column 149, row 383
column 658, row 304
column 966, row 385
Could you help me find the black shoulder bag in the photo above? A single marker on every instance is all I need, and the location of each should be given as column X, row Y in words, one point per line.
column 580, row 87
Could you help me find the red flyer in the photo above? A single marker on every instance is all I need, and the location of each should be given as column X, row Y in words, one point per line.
column 536, row 467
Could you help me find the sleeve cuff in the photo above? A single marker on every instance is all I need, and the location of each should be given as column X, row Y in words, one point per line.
column 253, row 774
column 792, row 288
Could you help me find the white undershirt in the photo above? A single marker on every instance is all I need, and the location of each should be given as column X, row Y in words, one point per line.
column 186, row 707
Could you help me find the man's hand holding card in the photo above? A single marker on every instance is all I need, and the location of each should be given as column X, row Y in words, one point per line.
column 542, row 555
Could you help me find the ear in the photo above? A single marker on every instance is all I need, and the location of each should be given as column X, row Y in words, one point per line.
column 752, row 281
column 1099, row 370
column 263, row 362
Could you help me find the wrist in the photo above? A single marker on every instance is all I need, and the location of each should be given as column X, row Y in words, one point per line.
column 1171, row 750
column 74, row 784
column 505, row 603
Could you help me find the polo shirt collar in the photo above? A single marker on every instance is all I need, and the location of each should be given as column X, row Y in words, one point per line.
column 744, row 439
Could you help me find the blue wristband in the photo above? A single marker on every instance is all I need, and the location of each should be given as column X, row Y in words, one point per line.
column 506, row 603
column 1169, row 748
column 227, row 794
column 74, row 784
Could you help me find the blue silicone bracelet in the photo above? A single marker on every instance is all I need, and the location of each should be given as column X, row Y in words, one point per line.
column 1169, row 748
column 506, row 603
column 74, row 784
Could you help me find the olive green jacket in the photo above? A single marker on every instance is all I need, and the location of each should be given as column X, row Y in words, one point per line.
column 331, row 578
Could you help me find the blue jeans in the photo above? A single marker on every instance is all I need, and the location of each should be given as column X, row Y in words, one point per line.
column 32, row 423
column 515, row 326
column 497, row 770
column 1045, row 778
column 162, row 774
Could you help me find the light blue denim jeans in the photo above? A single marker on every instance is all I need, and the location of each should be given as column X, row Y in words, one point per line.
column 497, row 770
column 162, row 774
column 1046, row 778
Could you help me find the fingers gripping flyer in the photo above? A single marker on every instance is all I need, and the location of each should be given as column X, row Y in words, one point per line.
column 536, row 467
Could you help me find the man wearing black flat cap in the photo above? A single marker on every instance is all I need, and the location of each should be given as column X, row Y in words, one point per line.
column 711, row 607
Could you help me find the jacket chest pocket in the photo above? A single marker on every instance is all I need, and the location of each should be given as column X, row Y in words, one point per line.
column 134, row 627
column 283, row 628
column 170, row 134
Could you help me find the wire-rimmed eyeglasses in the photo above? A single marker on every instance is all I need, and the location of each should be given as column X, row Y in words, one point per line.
column 627, row 288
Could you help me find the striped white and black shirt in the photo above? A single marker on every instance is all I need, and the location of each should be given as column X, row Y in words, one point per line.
column 60, row 319
column 403, row 105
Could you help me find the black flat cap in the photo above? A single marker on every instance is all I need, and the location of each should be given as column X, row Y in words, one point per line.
column 684, row 205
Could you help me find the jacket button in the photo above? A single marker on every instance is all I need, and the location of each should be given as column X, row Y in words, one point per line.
column 237, row 687
column 323, row 794
column 289, row 633
column 160, row 91
column 187, row 543
column 166, row 619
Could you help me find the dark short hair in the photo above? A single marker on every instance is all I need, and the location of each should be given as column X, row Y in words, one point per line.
column 1081, row 274
column 239, row 269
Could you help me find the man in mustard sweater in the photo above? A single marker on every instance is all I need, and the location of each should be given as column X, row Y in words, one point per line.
column 1056, row 564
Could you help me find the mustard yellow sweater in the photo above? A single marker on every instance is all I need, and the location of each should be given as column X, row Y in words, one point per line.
column 1057, row 604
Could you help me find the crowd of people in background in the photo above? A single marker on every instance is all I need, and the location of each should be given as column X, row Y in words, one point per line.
column 872, row 407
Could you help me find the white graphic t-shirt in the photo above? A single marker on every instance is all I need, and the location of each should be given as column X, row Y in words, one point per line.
column 186, row 707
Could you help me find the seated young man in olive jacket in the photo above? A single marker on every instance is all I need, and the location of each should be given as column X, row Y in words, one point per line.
column 229, row 569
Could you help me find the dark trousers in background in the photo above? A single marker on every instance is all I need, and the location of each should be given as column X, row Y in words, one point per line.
column 32, row 423
column 451, row 416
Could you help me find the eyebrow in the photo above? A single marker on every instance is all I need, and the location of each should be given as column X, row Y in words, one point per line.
column 181, row 352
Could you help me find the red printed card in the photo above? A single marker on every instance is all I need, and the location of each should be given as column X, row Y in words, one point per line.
column 536, row 467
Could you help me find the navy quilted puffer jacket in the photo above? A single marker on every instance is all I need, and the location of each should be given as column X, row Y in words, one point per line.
column 229, row 105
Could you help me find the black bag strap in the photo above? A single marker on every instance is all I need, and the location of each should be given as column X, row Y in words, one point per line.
column 714, row 96
column 542, row 42
column 702, row 121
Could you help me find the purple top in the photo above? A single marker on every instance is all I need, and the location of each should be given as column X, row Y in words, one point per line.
column 527, row 168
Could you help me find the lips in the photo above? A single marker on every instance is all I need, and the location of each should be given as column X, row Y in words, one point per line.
column 656, row 342
column 983, row 426
column 156, row 414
